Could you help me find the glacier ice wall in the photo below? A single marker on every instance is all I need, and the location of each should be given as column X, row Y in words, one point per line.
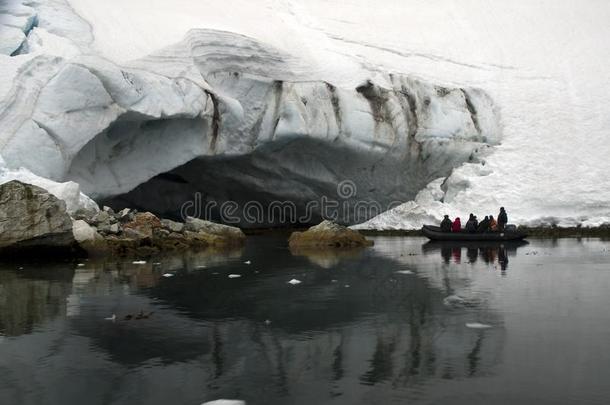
column 228, row 116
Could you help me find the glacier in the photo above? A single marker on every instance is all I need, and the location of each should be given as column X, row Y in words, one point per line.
column 446, row 109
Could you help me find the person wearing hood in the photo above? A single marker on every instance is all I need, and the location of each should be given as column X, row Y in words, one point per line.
column 483, row 226
column 493, row 225
column 446, row 224
column 472, row 224
column 457, row 225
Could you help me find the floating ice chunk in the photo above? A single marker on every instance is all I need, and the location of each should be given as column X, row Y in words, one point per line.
column 407, row 272
column 347, row 285
column 247, row 262
column 476, row 325
column 457, row 301
column 139, row 262
column 168, row 275
column 453, row 300
column 267, row 322
column 294, row 281
column 81, row 265
column 111, row 318
column 234, row 275
column 225, row 402
column 201, row 267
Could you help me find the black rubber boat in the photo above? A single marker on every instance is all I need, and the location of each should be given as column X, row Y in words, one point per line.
column 435, row 233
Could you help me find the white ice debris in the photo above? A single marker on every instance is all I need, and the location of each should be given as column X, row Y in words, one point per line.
column 294, row 281
column 234, row 275
column 405, row 272
column 248, row 262
column 139, row 262
column 476, row 325
column 225, row 402
column 168, row 275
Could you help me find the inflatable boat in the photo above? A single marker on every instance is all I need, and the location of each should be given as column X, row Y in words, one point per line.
column 435, row 233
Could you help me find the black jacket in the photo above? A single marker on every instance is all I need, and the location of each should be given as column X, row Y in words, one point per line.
column 502, row 217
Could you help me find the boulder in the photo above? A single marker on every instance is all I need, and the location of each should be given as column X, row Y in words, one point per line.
column 88, row 238
column 172, row 226
column 328, row 235
column 213, row 234
column 30, row 216
column 102, row 218
column 144, row 223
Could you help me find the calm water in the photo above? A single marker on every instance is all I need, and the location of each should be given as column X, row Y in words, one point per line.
column 367, row 327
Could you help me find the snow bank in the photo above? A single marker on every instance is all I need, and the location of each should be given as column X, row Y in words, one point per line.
column 227, row 88
column 226, row 104
column 67, row 191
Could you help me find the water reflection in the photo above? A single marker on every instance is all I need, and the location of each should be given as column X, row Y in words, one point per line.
column 28, row 297
column 357, row 320
column 490, row 253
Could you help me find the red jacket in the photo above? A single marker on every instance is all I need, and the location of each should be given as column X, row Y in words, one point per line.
column 457, row 226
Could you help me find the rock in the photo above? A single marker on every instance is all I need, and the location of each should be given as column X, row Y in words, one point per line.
column 125, row 215
column 83, row 214
column 143, row 223
column 172, row 226
column 109, row 210
column 213, row 234
column 32, row 217
column 88, row 238
column 133, row 234
column 131, row 245
column 100, row 218
column 328, row 235
column 114, row 229
column 109, row 229
column 172, row 241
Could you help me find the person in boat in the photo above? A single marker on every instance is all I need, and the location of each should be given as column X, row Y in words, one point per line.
column 493, row 224
column 457, row 225
column 502, row 219
column 446, row 224
column 472, row 224
column 483, row 226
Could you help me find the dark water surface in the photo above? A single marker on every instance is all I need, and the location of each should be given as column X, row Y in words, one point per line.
column 368, row 327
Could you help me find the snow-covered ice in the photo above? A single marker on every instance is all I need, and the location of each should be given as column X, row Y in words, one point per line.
column 294, row 281
column 98, row 90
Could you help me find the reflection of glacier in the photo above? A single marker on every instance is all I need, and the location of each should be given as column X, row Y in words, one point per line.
column 232, row 117
column 385, row 330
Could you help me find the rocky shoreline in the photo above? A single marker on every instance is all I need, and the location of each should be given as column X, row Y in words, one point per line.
column 34, row 222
